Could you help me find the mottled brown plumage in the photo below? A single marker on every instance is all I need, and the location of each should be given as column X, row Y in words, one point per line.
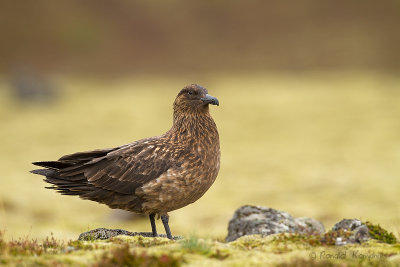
column 153, row 175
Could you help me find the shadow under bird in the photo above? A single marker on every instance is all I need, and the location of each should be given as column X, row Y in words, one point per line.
column 153, row 175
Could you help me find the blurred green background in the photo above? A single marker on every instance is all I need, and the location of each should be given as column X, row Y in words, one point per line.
column 309, row 118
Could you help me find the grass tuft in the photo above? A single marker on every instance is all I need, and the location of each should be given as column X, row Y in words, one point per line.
column 194, row 245
column 30, row 247
column 24, row 246
column 2, row 243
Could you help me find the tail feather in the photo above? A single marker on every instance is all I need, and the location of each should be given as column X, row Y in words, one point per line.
column 44, row 172
column 62, row 181
column 67, row 177
column 56, row 165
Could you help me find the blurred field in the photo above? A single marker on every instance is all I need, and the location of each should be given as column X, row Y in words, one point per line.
column 320, row 145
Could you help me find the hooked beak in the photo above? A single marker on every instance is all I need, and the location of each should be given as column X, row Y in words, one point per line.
column 210, row 100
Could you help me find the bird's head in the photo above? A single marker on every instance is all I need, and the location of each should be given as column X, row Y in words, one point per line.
column 194, row 98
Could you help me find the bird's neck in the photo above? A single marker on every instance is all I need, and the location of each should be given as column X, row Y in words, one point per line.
column 193, row 125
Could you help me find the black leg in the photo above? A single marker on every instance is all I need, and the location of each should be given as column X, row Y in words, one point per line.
column 153, row 225
column 165, row 219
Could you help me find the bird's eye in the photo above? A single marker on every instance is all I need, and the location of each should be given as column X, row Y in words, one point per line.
column 190, row 92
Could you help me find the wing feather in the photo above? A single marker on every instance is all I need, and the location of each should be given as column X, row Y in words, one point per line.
column 121, row 170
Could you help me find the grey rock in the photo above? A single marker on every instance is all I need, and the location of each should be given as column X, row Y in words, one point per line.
column 359, row 232
column 104, row 233
column 250, row 220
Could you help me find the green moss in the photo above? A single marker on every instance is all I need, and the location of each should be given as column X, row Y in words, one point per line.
column 194, row 245
column 220, row 254
column 123, row 256
column 309, row 239
column 378, row 233
column 141, row 241
column 199, row 246
column 329, row 238
column 81, row 245
column 250, row 242
column 314, row 240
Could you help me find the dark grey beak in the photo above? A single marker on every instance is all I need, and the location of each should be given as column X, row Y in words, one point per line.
column 210, row 100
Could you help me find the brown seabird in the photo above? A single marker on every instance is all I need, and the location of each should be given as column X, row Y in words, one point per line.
column 153, row 175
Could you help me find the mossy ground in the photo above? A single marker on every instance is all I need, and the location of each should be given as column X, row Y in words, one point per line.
column 193, row 251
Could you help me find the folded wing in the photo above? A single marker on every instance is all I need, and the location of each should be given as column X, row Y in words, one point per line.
column 108, row 175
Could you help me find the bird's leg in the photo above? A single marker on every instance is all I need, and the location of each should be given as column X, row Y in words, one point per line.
column 153, row 224
column 165, row 219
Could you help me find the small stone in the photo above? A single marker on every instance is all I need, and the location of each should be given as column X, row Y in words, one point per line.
column 362, row 234
column 339, row 241
column 104, row 233
column 359, row 231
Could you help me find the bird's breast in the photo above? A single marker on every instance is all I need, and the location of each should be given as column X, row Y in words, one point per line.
column 196, row 168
